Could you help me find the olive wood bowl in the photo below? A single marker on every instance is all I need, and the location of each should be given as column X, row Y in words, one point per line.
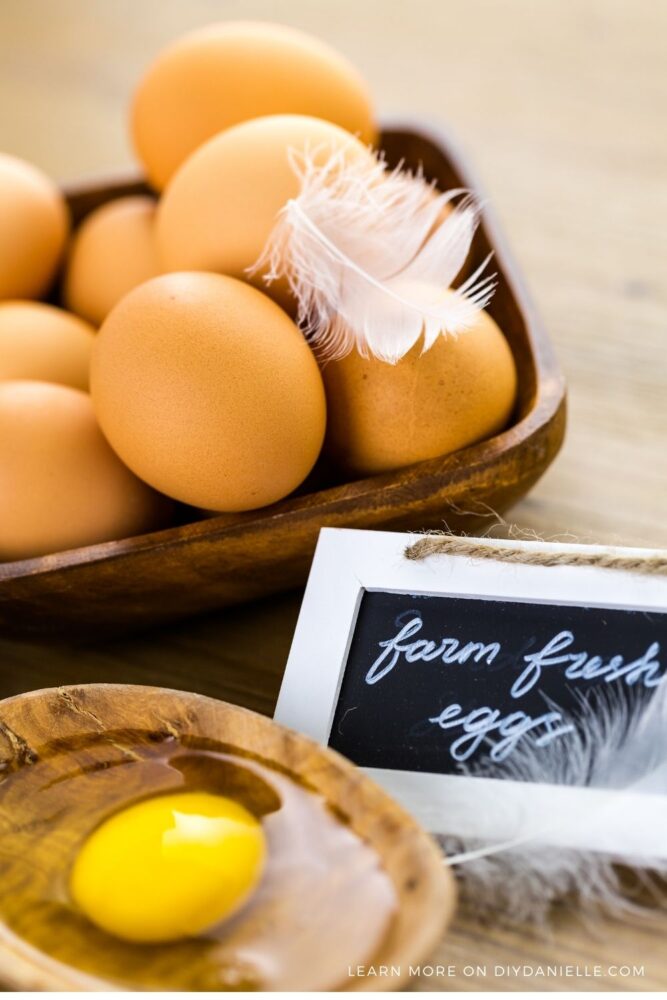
column 46, row 739
column 199, row 565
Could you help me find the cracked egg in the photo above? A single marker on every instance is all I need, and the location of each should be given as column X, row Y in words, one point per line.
column 153, row 839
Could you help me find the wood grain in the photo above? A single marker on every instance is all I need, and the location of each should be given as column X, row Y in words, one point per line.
column 230, row 559
column 70, row 756
column 560, row 107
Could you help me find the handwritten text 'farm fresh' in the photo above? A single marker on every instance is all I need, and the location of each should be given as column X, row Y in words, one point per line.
column 485, row 724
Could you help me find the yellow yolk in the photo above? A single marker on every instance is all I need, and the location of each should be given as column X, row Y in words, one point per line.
column 169, row 867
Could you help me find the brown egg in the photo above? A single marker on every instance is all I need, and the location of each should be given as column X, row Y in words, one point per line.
column 383, row 416
column 34, row 223
column 61, row 485
column 227, row 73
column 218, row 211
column 208, row 391
column 112, row 252
column 42, row 342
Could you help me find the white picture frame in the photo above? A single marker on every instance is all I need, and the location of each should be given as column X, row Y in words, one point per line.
column 349, row 562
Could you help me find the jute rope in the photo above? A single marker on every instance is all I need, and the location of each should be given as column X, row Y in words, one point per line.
column 651, row 564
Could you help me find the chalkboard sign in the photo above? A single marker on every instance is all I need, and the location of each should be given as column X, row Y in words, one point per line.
column 431, row 683
column 419, row 671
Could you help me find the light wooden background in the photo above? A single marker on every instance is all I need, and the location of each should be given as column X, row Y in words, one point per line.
column 562, row 106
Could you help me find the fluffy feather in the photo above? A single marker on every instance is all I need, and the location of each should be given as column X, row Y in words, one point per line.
column 615, row 746
column 370, row 260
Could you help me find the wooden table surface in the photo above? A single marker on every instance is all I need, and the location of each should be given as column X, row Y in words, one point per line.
column 562, row 109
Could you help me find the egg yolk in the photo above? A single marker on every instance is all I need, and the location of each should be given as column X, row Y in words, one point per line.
column 169, row 867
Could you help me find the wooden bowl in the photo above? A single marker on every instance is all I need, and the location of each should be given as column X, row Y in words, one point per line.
column 48, row 738
column 232, row 558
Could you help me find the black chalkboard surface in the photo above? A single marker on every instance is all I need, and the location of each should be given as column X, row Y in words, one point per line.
column 435, row 683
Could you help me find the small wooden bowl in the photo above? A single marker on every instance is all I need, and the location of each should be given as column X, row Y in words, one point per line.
column 233, row 558
column 35, row 728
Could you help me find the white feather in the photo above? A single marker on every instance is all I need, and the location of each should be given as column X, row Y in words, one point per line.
column 616, row 748
column 369, row 260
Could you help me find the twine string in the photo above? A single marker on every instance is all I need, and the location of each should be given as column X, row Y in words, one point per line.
column 651, row 564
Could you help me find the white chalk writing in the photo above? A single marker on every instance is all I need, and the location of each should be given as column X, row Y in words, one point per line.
column 478, row 725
